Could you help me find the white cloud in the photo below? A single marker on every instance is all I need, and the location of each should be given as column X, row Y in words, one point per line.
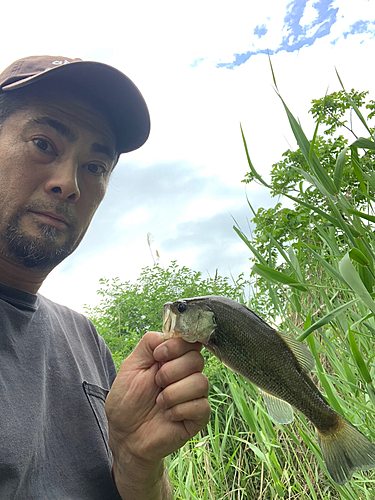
column 310, row 13
column 138, row 216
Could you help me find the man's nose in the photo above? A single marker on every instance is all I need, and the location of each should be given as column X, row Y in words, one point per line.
column 63, row 182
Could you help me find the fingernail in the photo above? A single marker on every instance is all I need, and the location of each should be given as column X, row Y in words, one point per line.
column 168, row 415
column 161, row 353
column 160, row 401
column 157, row 380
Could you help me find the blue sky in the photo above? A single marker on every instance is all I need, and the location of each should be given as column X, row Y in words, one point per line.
column 300, row 32
column 203, row 69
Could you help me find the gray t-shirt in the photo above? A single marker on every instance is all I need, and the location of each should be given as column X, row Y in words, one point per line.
column 55, row 373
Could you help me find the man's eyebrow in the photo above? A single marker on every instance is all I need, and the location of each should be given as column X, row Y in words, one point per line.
column 101, row 148
column 68, row 134
column 62, row 129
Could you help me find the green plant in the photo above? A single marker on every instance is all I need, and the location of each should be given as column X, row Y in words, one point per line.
column 127, row 310
column 313, row 266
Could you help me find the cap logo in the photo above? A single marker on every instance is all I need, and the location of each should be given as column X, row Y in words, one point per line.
column 60, row 62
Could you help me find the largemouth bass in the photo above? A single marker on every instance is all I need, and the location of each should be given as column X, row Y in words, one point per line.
column 278, row 365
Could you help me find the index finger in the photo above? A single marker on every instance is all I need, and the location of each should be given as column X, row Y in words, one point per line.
column 174, row 348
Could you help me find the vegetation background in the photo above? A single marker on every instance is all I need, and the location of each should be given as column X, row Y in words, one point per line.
column 312, row 276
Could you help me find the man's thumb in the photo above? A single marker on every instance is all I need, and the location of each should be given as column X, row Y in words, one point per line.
column 142, row 356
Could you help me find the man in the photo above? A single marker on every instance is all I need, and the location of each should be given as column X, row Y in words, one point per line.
column 63, row 125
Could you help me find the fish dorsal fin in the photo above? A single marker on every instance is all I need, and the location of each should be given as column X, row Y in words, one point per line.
column 304, row 357
column 280, row 411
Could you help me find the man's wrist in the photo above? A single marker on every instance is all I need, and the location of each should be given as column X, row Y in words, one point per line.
column 139, row 479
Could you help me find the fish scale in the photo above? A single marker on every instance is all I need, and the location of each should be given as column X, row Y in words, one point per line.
column 272, row 365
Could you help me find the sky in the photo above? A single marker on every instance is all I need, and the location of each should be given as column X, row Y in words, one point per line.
column 202, row 67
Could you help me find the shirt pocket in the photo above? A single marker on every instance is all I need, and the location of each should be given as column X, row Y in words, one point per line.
column 96, row 396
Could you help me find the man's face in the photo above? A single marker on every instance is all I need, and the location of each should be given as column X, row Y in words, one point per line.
column 55, row 161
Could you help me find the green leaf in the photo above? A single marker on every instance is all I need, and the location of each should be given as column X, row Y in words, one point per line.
column 312, row 179
column 277, row 277
column 326, row 319
column 339, row 168
column 307, row 322
column 273, row 74
column 358, row 358
column 371, row 393
column 369, row 217
column 348, row 272
column 357, row 167
column 304, row 145
column 317, row 210
column 272, row 240
column 248, row 244
column 252, row 169
column 294, row 262
column 331, row 394
column 312, row 144
column 363, row 143
column 359, row 257
column 353, row 105
column 332, row 271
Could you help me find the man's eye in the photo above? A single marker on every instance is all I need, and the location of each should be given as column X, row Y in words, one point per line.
column 43, row 145
column 96, row 169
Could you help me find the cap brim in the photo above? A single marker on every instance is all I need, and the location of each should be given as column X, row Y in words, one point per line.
column 116, row 93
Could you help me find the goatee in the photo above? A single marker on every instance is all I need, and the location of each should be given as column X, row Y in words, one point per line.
column 42, row 252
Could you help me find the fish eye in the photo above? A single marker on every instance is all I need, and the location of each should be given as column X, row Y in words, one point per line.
column 182, row 307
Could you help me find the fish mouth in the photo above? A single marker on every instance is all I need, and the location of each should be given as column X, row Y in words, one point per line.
column 169, row 322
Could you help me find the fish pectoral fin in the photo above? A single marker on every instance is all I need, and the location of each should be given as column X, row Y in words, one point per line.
column 304, row 357
column 280, row 411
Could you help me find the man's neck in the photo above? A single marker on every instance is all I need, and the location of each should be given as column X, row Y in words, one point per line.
column 15, row 276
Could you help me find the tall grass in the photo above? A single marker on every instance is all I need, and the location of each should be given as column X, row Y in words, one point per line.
column 245, row 455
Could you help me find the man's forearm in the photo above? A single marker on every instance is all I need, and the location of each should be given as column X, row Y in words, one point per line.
column 136, row 483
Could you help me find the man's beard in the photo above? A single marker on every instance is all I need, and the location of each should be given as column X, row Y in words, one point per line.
column 42, row 252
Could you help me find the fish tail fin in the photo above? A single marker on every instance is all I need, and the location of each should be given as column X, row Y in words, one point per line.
column 345, row 450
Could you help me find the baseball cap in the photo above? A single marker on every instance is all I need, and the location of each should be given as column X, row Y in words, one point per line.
column 117, row 94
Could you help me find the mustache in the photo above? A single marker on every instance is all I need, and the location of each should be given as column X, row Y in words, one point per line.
column 63, row 209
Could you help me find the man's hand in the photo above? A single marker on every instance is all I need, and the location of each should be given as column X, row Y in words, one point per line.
column 157, row 403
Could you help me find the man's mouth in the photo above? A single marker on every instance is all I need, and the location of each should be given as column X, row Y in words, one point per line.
column 51, row 219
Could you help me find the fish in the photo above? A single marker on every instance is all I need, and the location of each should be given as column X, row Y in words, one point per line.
column 279, row 366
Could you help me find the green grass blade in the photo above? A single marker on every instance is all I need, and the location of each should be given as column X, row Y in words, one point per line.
column 249, row 245
column 304, row 145
column 368, row 217
column 252, row 169
column 352, row 278
column 312, row 144
column 313, row 180
column 278, row 277
column 359, row 359
column 359, row 257
column 353, row 105
column 273, row 241
column 363, row 143
column 295, row 263
column 273, row 74
column 357, row 167
column 317, row 210
column 326, row 319
column 339, row 168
